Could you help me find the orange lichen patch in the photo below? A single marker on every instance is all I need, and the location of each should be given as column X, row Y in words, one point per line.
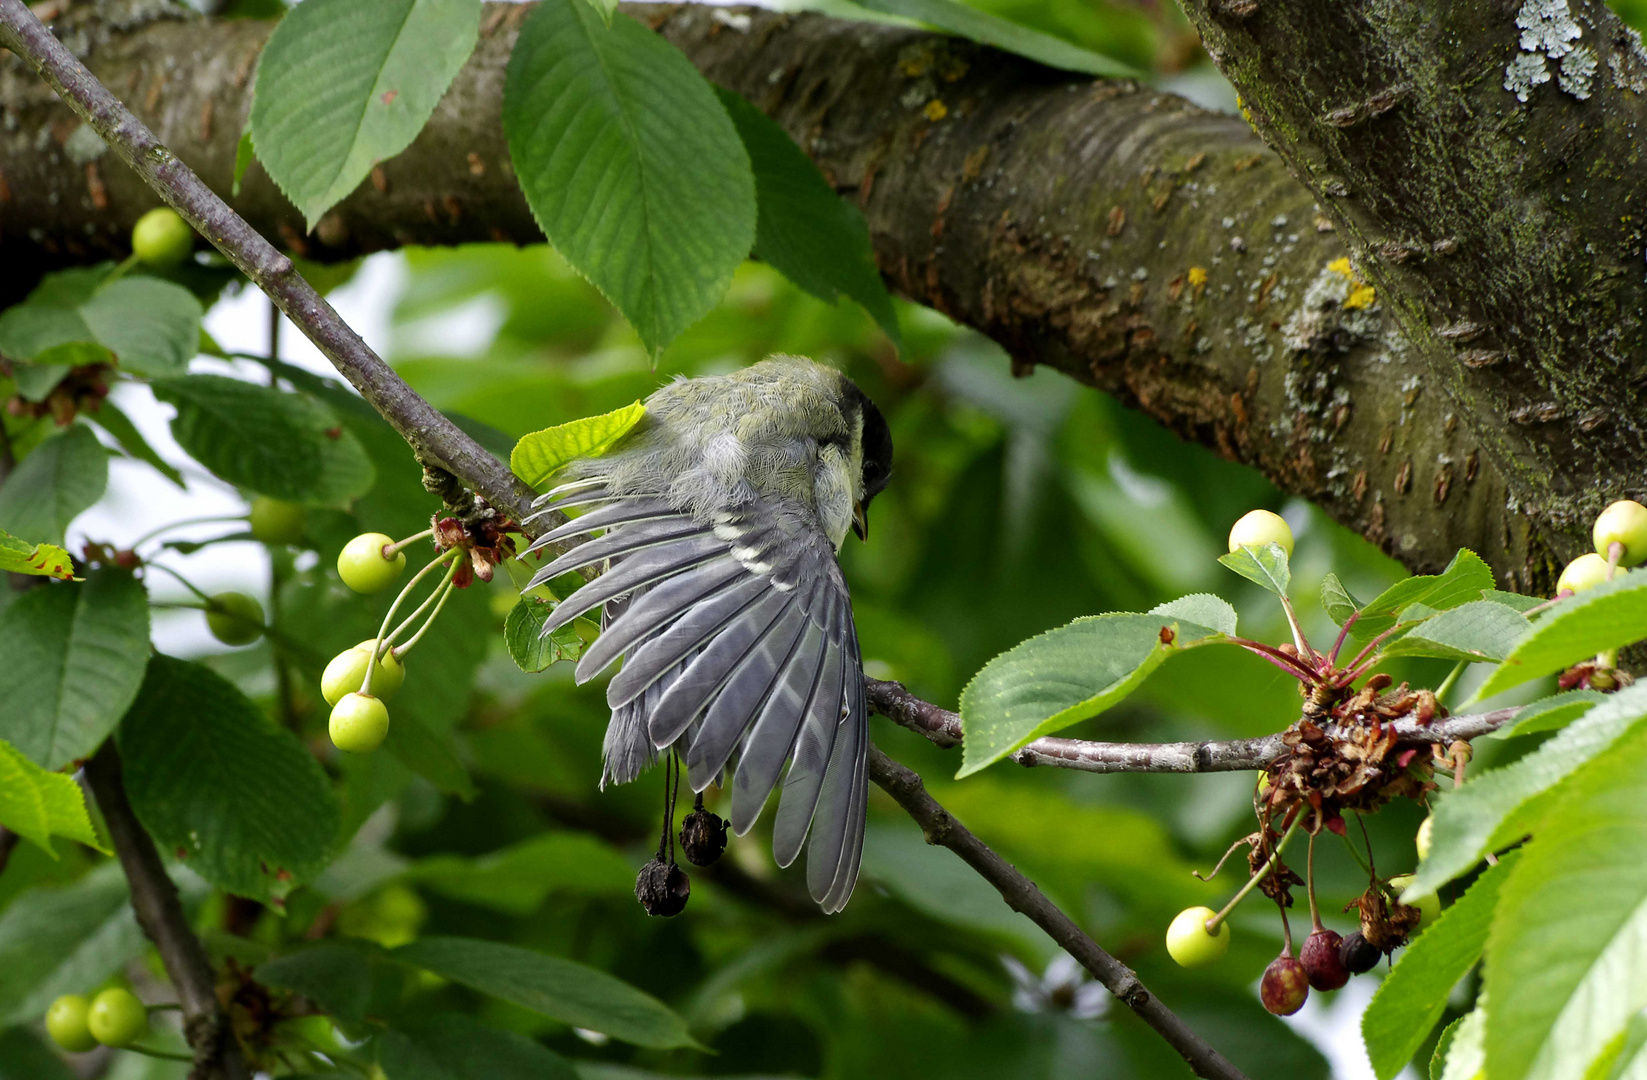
column 1197, row 279
column 1361, row 295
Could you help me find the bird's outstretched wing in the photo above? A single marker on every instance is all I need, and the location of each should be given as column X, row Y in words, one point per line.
column 737, row 634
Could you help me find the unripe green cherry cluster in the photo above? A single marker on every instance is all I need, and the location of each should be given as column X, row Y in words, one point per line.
column 114, row 1017
column 234, row 618
column 1620, row 537
column 360, row 680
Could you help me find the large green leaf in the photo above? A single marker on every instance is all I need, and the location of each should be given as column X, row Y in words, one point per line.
column 71, row 660
column 1605, row 617
column 1336, row 599
column 342, row 85
column 60, row 478
column 1413, row 997
column 1266, row 566
column 1550, row 714
column 150, row 326
column 39, row 560
column 278, row 444
column 518, row 879
column 1479, row 631
column 523, row 634
column 454, row 1047
column 1487, row 813
column 1466, row 578
column 1467, row 1054
column 64, row 940
column 1074, row 672
column 810, row 234
column 239, row 798
column 538, row 456
column 561, row 989
column 1563, row 965
column 630, row 165
column 37, row 805
column 25, row 1057
column 118, row 424
column 988, row 29
column 338, row 976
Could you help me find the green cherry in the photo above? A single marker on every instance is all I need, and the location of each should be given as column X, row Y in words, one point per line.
column 66, row 1024
column 235, row 618
column 362, row 566
column 117, row 1017
column 161, row 238
column 276, row 522
column 1584, row 572
column 358, row 723
column 1189, row 943
column 1624, row 522
column 1426, row 831
column 348, row 670
column 1260, row 527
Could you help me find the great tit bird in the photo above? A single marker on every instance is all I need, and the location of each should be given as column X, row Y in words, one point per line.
column 721, row 515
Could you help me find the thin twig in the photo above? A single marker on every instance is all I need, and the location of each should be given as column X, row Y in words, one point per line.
column 1021, row 894
column 943, row 728
column 160, row 914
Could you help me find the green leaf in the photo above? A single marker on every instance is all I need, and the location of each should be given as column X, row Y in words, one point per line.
column 560, row 989
column 150, row 325
column 66, row 940
column 541, row 454
column 429, row 754
column 41, row 560
column 454, row 1047
column 1466, row 1055
column 1550, row 714
column 278, row 444
column 1443, row 1046
column 630, row 165
column 239, row 798
column 1605, row 617
column 37, row 805
column 24, row 1057
column 1466, row 578
column 803, row 228
column 60, row 478
column 519, row 879
column 1479, row 631
column 1336, row 599
column 119, row 425
column 335, row 975
column 1203, row 609
column 1074, row 672
column 1487, row 813
column 1563, row 962
column 1266, row 566
column 987, row 29
column 71, row 660
column 1414, row 995
column 342, row 85
column 522, row 633
column 244, row 155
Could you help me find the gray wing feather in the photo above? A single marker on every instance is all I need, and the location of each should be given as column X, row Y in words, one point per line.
column 648, row 664
column 770, row 740
column 744, row 696
column 806, row 769
column 655, row 611
column 644, row 568
column 704, row 676
column 620, row 512
column 620, row 542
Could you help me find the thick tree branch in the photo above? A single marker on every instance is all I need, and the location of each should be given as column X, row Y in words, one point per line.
column 1071, row 220
column 1020, row 893
column 160, row 914
column 1482, row 159
column 895, row 702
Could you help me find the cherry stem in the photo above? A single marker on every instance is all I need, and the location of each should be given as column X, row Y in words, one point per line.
column 216, row 519
column 1343, row 635
column 385, row 643
column 1309, row 883
column 1252, row 882
column 444, row 591
column 1354, row 854
column 164, row 1055
column 1452, row 677
column 211, row 605
column 1298, row 639
column 1615, row 554
column 1372, row 864
column 1286, row 929
column 164, row 1007
column 1290, row 664
column 366, row 687
column 391, row 550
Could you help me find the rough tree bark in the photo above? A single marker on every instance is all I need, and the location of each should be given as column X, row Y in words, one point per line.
column 1118, row 234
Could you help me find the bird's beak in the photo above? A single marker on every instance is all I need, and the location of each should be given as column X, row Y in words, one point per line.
column 860, row 520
